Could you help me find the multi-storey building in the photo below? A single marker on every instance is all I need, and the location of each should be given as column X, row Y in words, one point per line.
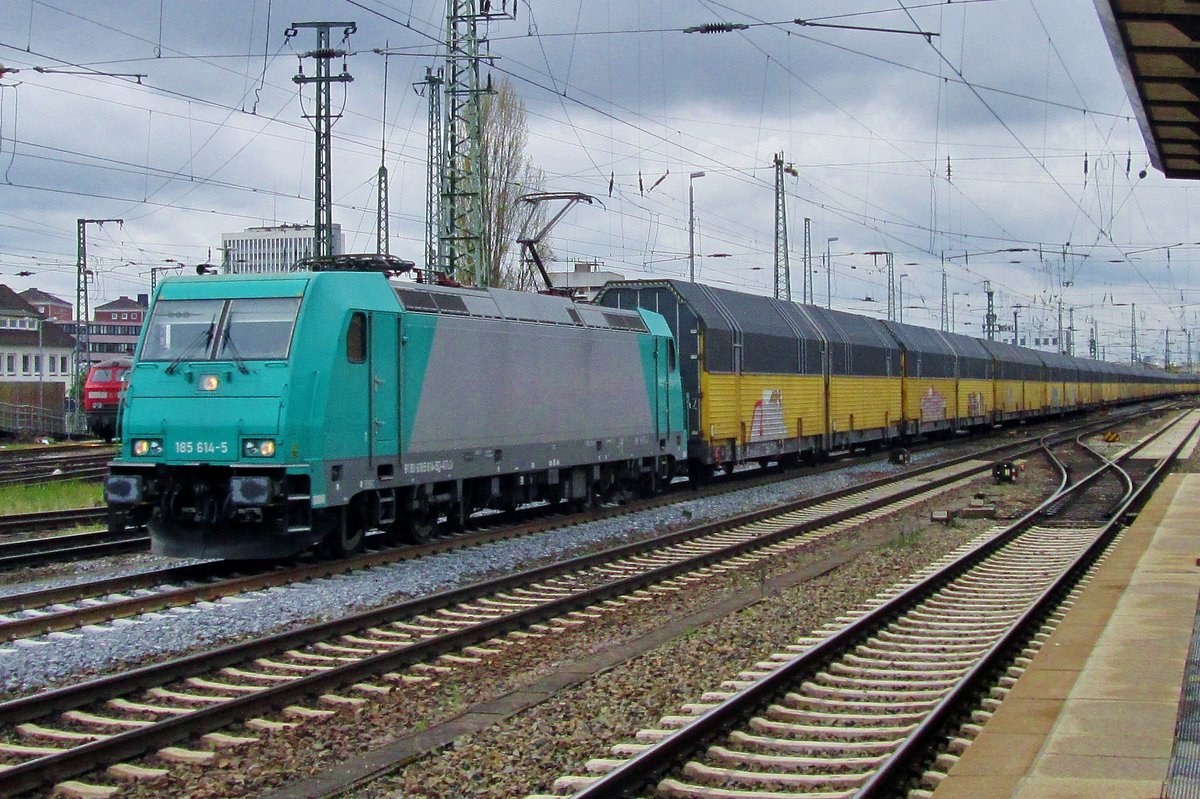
column 272, row 249
column 116, row 326
column 50, row 307
column 32, row 348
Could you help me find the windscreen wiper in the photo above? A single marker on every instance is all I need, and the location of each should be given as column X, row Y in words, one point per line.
column 233, row 351
column 204, row 337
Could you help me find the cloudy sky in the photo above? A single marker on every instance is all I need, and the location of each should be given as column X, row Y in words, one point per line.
column 1000, row 146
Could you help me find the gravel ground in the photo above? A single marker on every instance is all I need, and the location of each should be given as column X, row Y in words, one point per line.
column 34, row 664
column 59, row 657
column 528, row 751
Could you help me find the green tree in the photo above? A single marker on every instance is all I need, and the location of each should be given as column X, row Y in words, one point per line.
column 508, row 172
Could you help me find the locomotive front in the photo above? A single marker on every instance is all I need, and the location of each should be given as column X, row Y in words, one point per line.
column 203, row 458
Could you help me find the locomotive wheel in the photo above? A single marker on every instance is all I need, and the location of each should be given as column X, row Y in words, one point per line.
column 420, row 527
column 346, row 538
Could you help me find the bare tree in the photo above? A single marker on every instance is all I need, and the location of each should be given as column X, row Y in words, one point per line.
column 508, row 173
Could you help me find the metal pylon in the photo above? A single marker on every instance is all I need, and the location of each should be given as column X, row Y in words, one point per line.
column 891, row 288
column 83, row 337
column 462, row 242
column 322, row 122
column 432, row 87
column 807, row 285
column 783, row 272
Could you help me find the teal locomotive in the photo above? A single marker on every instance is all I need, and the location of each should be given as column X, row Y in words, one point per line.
column 267, row 414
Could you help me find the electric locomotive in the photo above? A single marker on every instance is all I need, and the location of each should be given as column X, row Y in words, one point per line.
column 270, row 413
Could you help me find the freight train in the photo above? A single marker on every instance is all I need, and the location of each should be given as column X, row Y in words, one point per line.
column 269, row 414
column 767, row 379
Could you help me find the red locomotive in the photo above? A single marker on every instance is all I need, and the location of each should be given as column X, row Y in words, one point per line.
column 102, row 393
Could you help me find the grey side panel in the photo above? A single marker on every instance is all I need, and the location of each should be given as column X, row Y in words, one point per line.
column 492, row 386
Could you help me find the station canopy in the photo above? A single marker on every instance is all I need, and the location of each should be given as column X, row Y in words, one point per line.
column 1156, row 44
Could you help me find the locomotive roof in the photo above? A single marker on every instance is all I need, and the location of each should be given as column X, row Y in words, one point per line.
column 518, row 306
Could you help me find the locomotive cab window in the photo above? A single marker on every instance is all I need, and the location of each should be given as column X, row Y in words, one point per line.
column 356, row 338
column 670, row 355
column 201, row 330
column 258, row 328
column 181, row 329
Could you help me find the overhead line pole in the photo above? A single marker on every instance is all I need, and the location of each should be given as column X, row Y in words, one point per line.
column 807, row 285
column 322, row 122
column 1133, row 348
column 891, row 288
column 83, row 338
column 464, row 245
column 433, row 170
column 382, row 245
column 783, row 274
column 990, row 319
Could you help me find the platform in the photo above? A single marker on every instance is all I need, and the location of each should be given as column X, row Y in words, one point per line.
column 1095, row 713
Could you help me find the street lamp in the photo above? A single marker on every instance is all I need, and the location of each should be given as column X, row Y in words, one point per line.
column 692, row 226
column 828, row 272
column 902, row 276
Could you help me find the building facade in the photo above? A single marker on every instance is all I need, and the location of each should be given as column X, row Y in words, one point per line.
column 32, row 348
column 585, row 280
column 116, row 326
column 55, row 309
column 258, row 250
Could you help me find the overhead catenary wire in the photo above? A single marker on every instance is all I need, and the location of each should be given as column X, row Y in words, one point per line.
column 684, row 147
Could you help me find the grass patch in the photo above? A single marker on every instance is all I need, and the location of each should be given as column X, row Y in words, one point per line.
column 39, row 497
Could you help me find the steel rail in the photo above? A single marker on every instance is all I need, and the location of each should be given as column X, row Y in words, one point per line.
column 641, row 772
column 51, row 519
column 43, row 770
column 916, row 748
column 266, row 578
column 67, row 548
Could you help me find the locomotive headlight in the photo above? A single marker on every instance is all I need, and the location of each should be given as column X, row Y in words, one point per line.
column 209, row 382
column 143, row 447
column 258, row 447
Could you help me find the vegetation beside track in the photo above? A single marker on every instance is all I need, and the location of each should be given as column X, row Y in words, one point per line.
column 38, row 497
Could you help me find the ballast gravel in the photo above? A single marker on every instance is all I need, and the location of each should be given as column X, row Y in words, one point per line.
column 529, row 750
column 33, row 664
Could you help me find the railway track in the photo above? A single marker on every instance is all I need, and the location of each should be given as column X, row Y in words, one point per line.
column 270, row 681
column 65, row 608
column 864, row 707
column 50, row 550
column 54, row 464
column 70, row 547
column 51, row 520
